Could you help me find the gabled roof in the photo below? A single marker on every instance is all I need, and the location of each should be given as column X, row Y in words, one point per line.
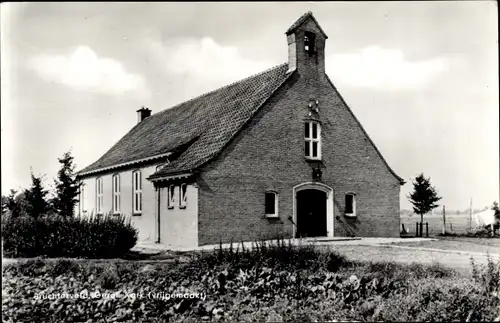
column 303, row 19
column 201, row 126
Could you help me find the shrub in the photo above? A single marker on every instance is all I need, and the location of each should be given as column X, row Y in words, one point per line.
column 279, row 254
column 484, row 232
column 89, row 237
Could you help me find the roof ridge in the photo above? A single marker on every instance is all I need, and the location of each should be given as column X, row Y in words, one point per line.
column 223, row 87
column 301, row 20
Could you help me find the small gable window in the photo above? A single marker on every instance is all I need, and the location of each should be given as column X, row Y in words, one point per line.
column 271, row 204
column 137, row 191
column 116, row 194
column 309, row 42
column 350, row 204
column 171, row 197
column 183, row 196
column 312, row 140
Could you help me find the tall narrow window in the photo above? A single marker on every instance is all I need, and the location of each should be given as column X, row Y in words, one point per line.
column 309, row 42
column 312, row 136
column 183, row 196
column 350, row 204
column 137, row 191
column 83, row 196
column 271, row 204
column 171, row 197
column 116, row 194
column 99, row 199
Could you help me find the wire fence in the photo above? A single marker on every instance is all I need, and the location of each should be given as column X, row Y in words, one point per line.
column 454, row 224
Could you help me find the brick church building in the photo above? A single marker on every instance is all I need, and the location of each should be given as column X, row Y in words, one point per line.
column 277, row 154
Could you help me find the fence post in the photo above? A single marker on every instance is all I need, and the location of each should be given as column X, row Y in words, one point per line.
column 427, row 229
column 421, row 229
column 444, row 220
column 416, row 229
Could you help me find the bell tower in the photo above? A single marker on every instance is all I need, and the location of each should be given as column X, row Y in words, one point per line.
column 306, row 46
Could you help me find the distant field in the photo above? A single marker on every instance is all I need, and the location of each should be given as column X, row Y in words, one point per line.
column 457, row 223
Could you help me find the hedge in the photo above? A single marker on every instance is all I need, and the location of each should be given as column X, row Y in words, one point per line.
column 80, row 237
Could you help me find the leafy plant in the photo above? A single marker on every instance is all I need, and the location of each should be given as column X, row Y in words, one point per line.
column 236, row 290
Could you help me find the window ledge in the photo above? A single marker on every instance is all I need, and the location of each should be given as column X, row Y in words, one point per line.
column 182, row 206
column 170, row 207
column 313, row 158
column 350, row 215
column 117, row 213
column 271, row 216
column 137, row 214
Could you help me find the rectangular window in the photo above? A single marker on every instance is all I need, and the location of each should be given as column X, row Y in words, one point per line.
column 137, row 191
column 312, row 137
column 83, row 197
column 183, row 196
column 99, row 199
column 350, row 204
column 116, row 194
column 271, row 204
column 171, row 197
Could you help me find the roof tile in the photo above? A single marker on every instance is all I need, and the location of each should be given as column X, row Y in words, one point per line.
column 208, row 121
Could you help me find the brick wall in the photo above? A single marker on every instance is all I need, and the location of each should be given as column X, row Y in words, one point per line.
column 268, row 154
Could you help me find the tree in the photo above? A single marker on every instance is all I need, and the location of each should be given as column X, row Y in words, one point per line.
column 423, row 197
column 67, row 188
column 36, row 203
column 10, row 205
column 496, row 209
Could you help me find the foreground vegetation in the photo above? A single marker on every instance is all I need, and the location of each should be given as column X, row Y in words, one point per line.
column 267, row 283
column 106, row 236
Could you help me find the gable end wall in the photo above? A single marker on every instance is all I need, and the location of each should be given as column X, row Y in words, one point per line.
column 268, row 154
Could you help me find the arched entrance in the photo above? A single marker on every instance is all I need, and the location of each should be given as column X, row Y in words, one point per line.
column 313, row 210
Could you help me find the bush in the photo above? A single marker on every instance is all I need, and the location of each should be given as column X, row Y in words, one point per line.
column 90, row 237
column 480, row 232
column 279, row 254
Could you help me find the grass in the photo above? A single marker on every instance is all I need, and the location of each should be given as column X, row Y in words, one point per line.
column 268, row 283
column 492, row 242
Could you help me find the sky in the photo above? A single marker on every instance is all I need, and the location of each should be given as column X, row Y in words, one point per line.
column 422, row 78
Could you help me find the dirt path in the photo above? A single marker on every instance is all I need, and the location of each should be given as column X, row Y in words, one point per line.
column 458, row 260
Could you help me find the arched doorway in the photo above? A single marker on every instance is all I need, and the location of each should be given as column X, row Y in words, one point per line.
column 313, row 210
